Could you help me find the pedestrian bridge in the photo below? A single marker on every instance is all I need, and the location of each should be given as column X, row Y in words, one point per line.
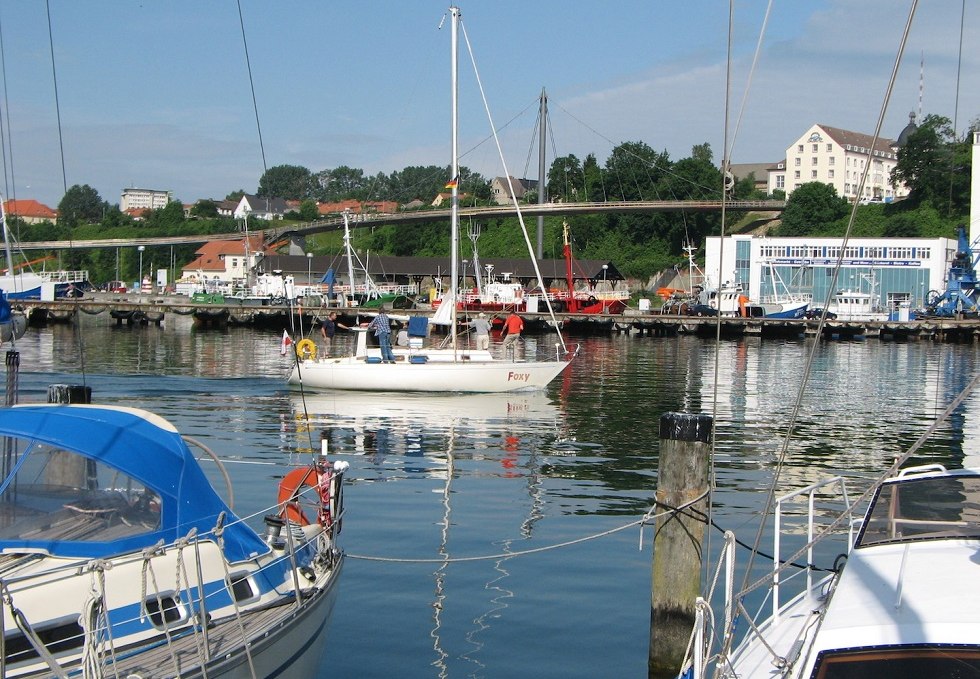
column 293, row 231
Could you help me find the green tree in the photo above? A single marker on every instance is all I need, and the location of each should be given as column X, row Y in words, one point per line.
column 813, row 208
column 291, row 182
column 308, row 211
column 417, row 182
column 339, row 184
column 633, row 170
column 205, row 208
column 81, row 203
column 566, row 179
column 926, row 164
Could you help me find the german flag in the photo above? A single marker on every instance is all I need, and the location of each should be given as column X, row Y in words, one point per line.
column 453, row 183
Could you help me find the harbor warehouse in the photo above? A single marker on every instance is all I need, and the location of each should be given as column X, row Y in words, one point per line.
column 897, row 272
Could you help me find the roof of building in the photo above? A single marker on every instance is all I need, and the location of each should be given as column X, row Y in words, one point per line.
column 210, row 256
column 857, row 139
column 743, row 170
column 907, row 131
column 276, row 206
column 29, row 208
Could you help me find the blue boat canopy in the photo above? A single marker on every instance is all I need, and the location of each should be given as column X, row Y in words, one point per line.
column 94, row 481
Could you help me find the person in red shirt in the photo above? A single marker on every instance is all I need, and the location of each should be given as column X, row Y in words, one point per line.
column 513, row 325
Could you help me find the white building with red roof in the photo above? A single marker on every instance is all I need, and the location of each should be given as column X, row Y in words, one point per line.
column 225, row 261
column 30, row 211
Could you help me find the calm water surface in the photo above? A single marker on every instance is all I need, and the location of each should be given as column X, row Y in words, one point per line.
column 439, row 479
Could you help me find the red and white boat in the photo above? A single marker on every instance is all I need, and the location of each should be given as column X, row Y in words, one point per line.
column 500, row 296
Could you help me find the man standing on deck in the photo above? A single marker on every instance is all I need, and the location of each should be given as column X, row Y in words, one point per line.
column 513, row 325
column 382, row 330
column 327, row 330
column 481, row 328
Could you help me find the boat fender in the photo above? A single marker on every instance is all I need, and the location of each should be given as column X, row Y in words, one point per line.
column 306, row 349
column 291, row 489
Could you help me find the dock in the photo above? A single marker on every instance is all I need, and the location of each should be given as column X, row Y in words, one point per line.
column 136, row 309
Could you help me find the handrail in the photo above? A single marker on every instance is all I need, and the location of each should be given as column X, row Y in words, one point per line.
column 811, row 492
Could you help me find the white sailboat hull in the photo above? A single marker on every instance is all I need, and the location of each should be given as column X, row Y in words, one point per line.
column 434, row 376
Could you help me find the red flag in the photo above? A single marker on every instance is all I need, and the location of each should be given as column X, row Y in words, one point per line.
column 286, row 342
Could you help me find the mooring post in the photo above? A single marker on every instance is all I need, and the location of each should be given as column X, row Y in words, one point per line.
column 66, row 469
column 682, row 481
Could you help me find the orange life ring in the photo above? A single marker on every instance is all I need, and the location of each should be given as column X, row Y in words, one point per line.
column 291, row 488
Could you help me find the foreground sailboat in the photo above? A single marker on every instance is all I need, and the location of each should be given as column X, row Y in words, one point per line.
column 448, row 369
column 119, row 559
column 900, row 598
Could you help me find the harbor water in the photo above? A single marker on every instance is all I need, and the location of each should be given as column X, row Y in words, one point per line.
column 495, row 535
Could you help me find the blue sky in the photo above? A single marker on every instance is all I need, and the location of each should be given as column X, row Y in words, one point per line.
column 155, row 94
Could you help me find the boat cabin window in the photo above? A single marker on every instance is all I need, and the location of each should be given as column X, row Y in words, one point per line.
column 54, row 494
column 924, row 509
column 901, row 662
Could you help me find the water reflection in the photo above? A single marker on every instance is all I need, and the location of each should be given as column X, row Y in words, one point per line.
column 455, row 476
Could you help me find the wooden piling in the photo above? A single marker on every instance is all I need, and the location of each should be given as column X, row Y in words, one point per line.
column 685, row 444
column 67, row 469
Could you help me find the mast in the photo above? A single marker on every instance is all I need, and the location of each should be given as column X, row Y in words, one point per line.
column 454, row 173
column 569, row 275
column 350, row 259
column 542, row 170
column 6, row 240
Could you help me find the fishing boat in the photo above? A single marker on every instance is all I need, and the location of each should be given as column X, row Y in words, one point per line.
column 434, row 369
column 35, row 285
column 858, row 305
column 501, row 294
column 119, row 559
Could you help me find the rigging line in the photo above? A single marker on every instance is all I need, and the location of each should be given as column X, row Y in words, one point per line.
column 9, row 186
column 490, row 136
column 251, row 84
column 748, row 84
column 613, row 144
column 504, row 555
column 530, row 146
column 956, row 106
column 892, row 470
column 712, row 450
column 57, row 103
column 808, row 365
column 80, row 341
column 510, row 187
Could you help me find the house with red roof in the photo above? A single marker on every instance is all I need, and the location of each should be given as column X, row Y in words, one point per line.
column 31, row 211
column 225, row 261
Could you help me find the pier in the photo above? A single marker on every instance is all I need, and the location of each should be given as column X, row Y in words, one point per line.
column 153, row 309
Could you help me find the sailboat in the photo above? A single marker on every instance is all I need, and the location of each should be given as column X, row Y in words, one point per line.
column 899, row 600
column 32, row 285
column 449, row 369
column 13, row 324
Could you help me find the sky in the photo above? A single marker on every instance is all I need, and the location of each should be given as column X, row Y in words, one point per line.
column 156, row 93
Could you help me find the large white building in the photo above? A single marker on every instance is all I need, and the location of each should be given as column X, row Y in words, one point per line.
column 896, row 271
column 143, row 199
column 838, row 157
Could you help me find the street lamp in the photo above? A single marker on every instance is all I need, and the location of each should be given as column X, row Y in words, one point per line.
column 141, row 248
column 309, row 271
column 604, row 268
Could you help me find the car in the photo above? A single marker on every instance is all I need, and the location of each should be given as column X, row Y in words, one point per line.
column 701, row 310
